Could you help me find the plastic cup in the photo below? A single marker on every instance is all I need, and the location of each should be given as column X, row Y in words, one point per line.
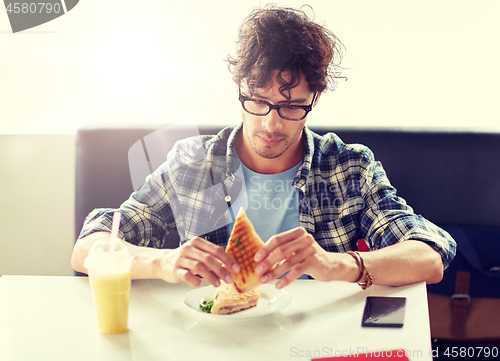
column 110, row 281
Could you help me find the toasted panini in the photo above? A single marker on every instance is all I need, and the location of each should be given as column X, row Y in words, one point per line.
column 228, row 300
column 243, row 243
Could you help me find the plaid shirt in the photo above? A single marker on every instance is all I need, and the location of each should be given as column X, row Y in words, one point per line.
column 344, row 195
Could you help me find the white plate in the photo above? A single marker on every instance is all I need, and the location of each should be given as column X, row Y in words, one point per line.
column 272, row 300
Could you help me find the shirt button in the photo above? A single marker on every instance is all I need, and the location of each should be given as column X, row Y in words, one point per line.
column 227, row 198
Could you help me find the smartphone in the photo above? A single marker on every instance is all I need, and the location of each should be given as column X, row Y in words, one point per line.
column 384, row 312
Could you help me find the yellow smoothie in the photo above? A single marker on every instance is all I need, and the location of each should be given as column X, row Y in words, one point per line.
column 110, row 282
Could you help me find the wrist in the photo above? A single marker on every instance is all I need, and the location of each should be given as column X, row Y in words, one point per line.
column 149, row 263
column 352, row 268
column 364, row 278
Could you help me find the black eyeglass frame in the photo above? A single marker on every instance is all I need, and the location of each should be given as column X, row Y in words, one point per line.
column 307, row 108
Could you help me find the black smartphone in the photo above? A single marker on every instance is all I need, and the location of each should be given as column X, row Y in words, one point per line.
column 384, row 312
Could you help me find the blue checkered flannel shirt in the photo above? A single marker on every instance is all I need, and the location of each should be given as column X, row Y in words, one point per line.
column 344, row 195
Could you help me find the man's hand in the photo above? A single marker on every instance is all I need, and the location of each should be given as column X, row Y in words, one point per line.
column 196, row 259
column 297, row 251
column 403, row 263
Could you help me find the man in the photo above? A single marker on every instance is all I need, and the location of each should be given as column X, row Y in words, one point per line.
column 338, row 192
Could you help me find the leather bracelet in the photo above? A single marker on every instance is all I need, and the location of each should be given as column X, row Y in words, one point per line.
column 368, row 277
column 359, row 263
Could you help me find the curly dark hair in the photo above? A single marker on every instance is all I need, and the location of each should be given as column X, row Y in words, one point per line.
column 285, row 39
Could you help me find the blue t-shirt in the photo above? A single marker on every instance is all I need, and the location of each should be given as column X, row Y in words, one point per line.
column 272, row 202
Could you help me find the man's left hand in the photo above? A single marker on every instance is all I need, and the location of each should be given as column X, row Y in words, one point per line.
column 298, row 252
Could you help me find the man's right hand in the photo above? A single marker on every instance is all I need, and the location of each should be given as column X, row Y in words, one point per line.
column 197, row 259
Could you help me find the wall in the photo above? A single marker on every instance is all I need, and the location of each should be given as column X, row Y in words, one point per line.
column 37, row 204
column 427, row 63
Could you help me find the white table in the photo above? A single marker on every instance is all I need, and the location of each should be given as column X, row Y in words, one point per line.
column 52, row 318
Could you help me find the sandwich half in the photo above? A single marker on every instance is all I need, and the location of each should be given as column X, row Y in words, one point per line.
column 243, row 243
column 228, row 300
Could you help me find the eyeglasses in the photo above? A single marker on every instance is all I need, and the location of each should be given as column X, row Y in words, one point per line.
column 288, row 112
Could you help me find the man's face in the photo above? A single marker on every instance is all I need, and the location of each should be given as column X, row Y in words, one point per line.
column 271, row 136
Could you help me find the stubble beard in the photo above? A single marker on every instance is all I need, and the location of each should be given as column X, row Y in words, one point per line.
column 270, row 155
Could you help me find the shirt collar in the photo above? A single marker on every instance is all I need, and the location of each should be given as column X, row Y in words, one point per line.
column 302, row 176
column 232, row 163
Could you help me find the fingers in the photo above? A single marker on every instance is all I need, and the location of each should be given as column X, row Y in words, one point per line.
column 280, row 239
column 197, row 269
column 296, row 264
column 293, row 247
column 186, row 276
column 199, row 258
column 295, row 272
column 216, row 251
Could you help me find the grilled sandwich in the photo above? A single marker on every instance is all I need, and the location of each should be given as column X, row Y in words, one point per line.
column 228, row 300
column 243, row 243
